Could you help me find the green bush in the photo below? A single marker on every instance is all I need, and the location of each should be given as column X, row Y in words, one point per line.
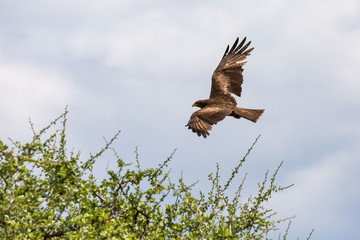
column 46, row 192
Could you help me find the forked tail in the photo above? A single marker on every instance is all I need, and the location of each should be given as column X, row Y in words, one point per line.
column 249, row 114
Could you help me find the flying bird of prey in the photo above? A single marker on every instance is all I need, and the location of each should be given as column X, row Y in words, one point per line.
column 226, row 80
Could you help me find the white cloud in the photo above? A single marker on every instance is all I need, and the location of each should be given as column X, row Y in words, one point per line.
column 322, row 192
column 31, row 90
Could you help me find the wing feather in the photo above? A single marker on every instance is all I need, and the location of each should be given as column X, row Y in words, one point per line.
column 226, row 51
column 234, row 45
column 241, row 44
column 227, row 77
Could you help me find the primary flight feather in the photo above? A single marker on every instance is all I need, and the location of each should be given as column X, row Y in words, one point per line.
column 226, row 80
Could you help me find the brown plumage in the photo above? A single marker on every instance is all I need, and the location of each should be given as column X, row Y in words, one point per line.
column 226, row 80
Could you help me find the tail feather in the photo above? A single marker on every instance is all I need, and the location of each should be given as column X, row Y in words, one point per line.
column 249, row 114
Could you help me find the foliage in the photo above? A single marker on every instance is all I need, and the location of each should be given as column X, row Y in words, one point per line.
column 46, row 192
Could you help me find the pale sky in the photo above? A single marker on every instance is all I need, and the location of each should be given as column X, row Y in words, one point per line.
column 138, row 66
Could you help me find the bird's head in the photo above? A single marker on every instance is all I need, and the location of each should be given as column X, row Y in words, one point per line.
column 200, row 103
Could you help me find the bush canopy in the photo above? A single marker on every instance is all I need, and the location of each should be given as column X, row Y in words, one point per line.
column 47, row 192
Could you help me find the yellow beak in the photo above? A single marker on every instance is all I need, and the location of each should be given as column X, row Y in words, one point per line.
column 194, row 105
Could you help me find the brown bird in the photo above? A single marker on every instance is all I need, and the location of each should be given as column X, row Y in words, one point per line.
column 226, row 79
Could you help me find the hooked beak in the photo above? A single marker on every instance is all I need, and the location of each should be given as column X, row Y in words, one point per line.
column 194, row 105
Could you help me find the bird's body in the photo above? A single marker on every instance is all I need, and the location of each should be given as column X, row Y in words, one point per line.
column 226, row 80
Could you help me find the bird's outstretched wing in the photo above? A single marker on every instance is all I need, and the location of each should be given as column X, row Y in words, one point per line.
column 201, row 121
column 227, row 77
